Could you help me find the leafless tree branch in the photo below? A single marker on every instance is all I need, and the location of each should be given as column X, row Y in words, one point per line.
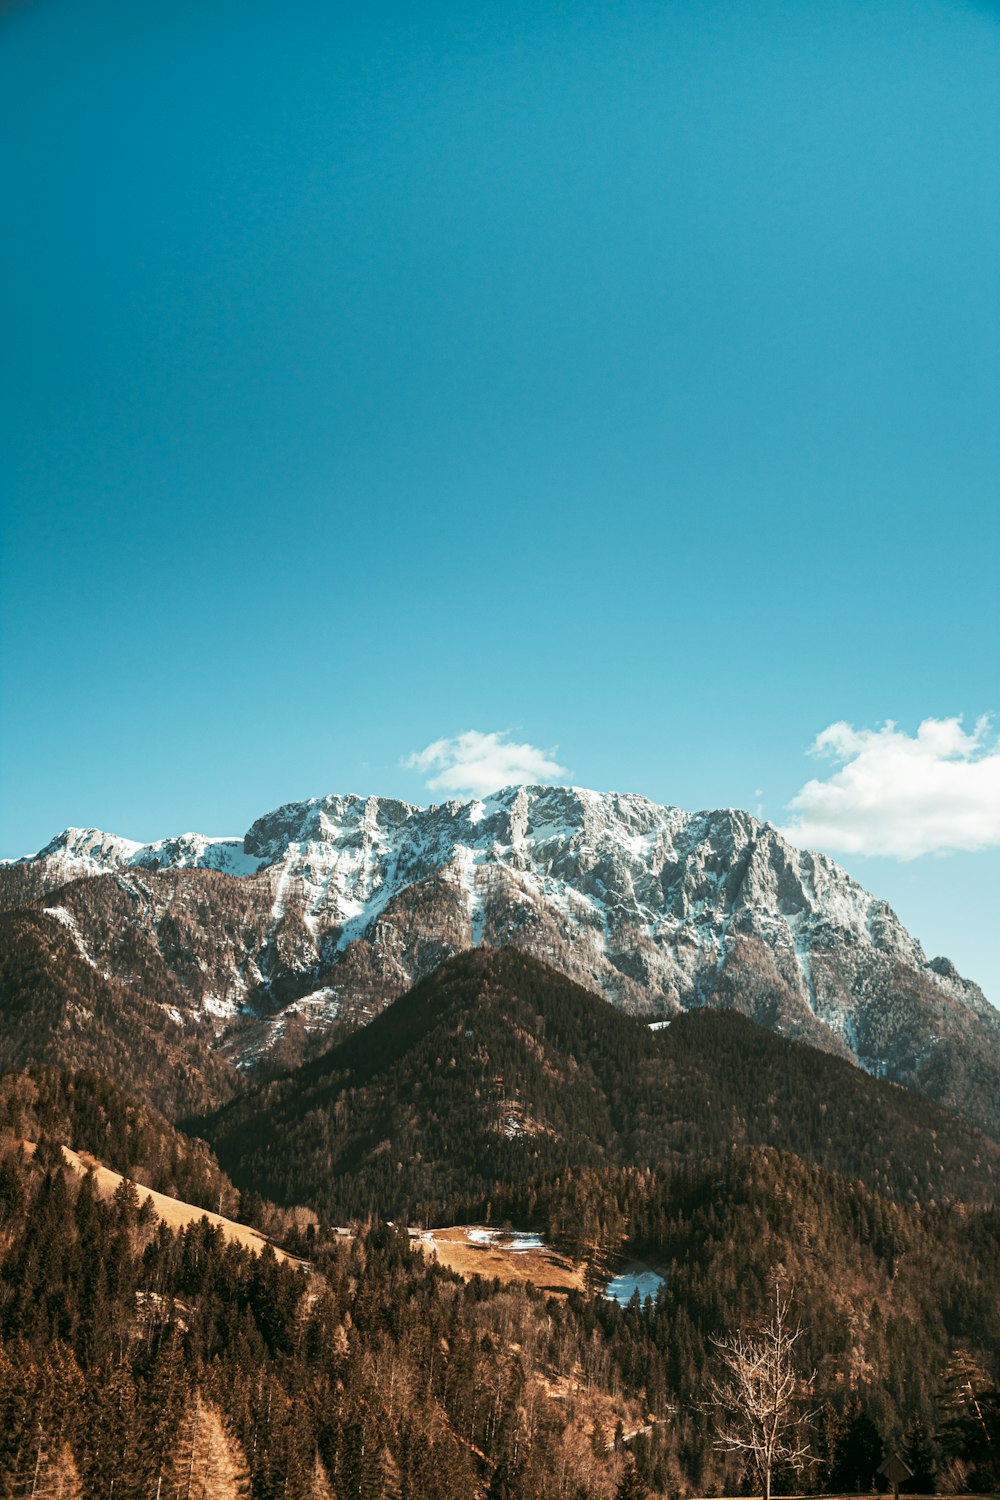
column 757, row 1400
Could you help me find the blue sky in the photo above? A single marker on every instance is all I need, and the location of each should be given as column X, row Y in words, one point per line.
column 622, row 378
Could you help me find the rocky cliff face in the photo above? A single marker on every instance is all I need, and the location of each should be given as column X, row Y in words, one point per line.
column 334, row 906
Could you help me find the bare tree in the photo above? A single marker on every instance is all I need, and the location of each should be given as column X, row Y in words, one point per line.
column 758, row 1400
column 207, row 1462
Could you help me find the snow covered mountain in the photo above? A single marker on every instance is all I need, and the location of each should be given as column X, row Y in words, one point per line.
column 340, row 903
column 88, row 851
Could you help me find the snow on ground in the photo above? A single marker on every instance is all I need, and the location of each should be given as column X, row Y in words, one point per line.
column 219, row 1007
column 622, row 1288
column 597, row 862
column 229, row 856
column 316, row 1010
column 465, row 866
column 515, row 1239
column 518, row 1256
column 61, row 915
column 69, row 922
column 326, row 998
column 658, row 1025
column 793, row 921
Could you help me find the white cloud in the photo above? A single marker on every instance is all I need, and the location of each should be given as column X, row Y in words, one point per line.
column 902, row 795
column 477, row 763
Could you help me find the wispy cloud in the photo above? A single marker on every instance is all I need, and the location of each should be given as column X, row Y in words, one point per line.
column 902, row 795
column 477, row 763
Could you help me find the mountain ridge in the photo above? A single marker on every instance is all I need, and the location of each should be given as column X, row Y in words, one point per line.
column 496, row 1069
column 346, row 901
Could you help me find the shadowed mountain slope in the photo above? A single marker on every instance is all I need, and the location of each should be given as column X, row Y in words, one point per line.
column 497, row 1069
column 58, row 1006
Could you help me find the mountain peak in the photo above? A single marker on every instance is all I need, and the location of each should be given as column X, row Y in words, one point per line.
column 662, row 910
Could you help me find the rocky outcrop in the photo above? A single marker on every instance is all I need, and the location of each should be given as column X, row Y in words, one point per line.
column 336, row 905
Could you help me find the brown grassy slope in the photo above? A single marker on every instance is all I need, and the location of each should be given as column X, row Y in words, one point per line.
column 546, row 1269
column 174, row 1213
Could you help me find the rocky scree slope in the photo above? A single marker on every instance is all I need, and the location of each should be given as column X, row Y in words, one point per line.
column 330, row 908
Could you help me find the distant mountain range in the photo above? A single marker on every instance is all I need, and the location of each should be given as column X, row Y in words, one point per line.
column 259, row 948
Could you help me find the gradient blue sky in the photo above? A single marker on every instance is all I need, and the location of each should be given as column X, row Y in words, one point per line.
column 622, row 376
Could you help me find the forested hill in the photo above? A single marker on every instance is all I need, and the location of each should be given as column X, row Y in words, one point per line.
column 496, row 1069
column 149, row 1358
column 86, row 1111
column 134, row 1354
column 60, row 1006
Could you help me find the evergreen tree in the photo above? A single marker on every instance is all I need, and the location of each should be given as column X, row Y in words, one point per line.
column 858, row 1451
column 918, row 1454
column 630, row 1486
